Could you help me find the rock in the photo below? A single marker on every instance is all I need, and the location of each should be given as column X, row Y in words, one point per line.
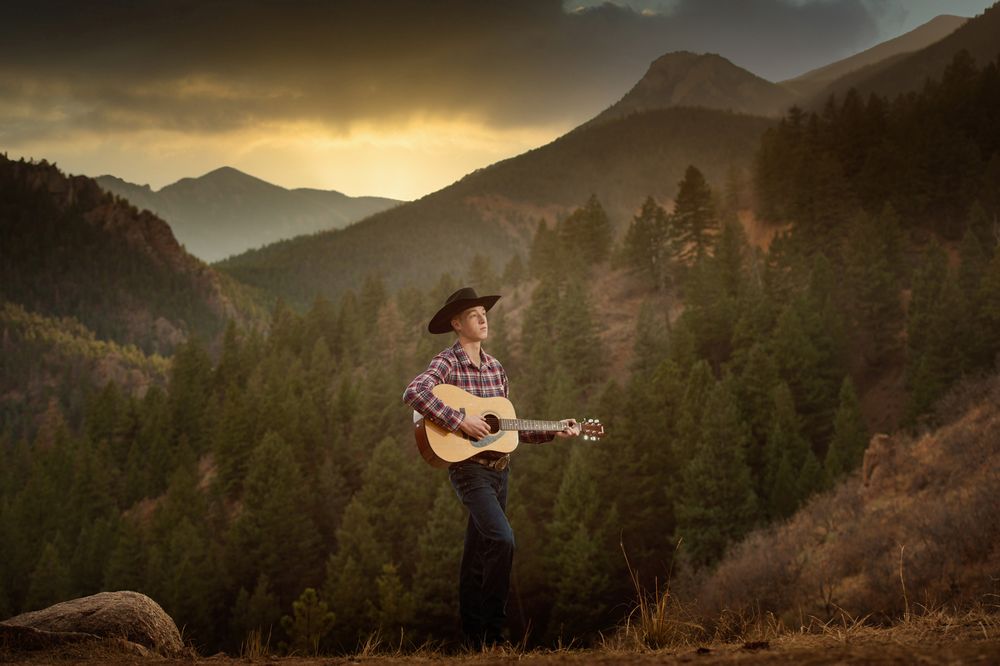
column 125, row 615
column 879, row 465
column 15, row 640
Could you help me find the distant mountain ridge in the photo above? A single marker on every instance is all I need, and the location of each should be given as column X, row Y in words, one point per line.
column 881, row 54
column 905, row 72
column 227, row 211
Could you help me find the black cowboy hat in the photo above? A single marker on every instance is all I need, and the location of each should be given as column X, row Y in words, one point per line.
column 462, row 299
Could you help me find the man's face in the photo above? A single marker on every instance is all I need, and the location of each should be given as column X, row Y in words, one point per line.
column 471, row 323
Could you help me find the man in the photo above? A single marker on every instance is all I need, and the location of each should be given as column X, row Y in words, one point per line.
column 481, row 481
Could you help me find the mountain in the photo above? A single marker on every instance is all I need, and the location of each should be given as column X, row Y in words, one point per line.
column 70, row 249
column 226, row 211
column 908, row 72
column 494, row 211
column 706, row 80
column 878, row 56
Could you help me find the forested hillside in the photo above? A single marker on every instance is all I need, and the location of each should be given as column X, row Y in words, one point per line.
column 51, row 366
column 68, row 248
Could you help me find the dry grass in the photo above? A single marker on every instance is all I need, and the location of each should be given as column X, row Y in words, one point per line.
column 255, row 646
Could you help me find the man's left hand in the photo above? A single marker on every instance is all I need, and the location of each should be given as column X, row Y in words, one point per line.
column 571, row 429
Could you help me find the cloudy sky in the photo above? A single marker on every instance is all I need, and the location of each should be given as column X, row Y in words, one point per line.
column 387, row 97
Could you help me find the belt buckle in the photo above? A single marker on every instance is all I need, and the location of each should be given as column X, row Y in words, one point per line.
column 500, row 464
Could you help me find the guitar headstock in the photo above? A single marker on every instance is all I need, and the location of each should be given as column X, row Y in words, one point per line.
column 591, row 429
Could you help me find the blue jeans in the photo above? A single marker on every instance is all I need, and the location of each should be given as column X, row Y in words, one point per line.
column 484, row 579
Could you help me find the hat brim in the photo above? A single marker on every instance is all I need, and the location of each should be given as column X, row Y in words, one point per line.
column 441, row 322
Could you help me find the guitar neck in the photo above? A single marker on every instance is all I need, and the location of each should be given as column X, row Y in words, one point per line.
column 528, row 424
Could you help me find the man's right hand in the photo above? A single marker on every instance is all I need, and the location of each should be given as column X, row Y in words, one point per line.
column 475, row 426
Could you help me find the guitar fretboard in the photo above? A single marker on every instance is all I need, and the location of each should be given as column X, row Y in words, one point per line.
column 528, row 424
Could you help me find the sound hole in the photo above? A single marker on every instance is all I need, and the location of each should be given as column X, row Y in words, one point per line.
column 493, row 421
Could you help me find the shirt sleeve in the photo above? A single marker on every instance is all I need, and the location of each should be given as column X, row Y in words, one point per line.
column 527, row 436
column 418, row 395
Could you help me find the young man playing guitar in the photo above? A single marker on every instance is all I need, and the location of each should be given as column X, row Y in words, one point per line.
column 481, row 480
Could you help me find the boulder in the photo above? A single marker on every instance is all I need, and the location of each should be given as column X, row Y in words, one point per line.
column 878, row 469
column 131, row 616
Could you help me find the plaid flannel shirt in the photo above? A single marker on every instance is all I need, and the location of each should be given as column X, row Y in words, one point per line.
column 453, row 366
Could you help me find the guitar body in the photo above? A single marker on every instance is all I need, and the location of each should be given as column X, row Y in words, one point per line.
column 441, row 447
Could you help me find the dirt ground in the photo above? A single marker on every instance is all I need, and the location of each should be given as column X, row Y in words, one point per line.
column 806, row 650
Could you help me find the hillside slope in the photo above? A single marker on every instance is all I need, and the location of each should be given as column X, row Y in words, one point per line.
column 226, row 211
column 916, row 524
column 907, row 72
column 68, row 248
column 879, row 56
column 38, row 353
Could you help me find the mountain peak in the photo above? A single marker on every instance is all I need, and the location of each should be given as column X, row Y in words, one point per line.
column 228, row 174
column 683, row 78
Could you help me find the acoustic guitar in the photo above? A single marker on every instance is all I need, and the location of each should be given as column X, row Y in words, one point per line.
column 441, row 447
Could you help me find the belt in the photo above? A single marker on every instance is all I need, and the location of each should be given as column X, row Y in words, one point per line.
column 499, row 464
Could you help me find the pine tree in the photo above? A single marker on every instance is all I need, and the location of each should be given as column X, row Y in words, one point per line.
column 717, row 504
column 645, row 248
column 258, row 611
column 850, row 436
column 874, row 259
column 543, row 259
column 189, row 390
column 786, row 453
column 394, row 612
column 694, row 218
column 371, row 299
column 581, row 538
column 513, row 271
column 96, row 539
column 230, row 369
column 274, row 533
column 351, row 324
column 186, row 580
column 989, row 313
column 438, row 556
column 482, row 276
column 807, row 345
column 936, row 318
column 125, row 563
column 350, row 575
column 392, row 494
column 107, row 419
column 577, row 347
column 586, row 234
column 233, row 441
column 754, row 390
column 50, row 580
column 310, row 622
column 976, row 251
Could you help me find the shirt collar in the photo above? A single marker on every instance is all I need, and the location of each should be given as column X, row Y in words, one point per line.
column 485, row 360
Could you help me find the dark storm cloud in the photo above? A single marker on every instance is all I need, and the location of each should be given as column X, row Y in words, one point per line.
column 213, row 66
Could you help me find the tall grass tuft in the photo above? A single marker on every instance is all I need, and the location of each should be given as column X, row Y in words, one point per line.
column 659, row 619
column 254, row 646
